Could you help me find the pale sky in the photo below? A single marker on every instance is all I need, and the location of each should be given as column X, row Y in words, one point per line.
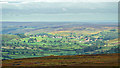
column 62, row 0
column 59, row 10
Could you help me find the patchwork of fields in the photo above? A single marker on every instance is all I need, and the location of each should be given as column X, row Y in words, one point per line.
column 38, row 40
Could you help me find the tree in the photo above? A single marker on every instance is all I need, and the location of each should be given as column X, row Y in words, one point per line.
column 31, row 40
column 21, row 35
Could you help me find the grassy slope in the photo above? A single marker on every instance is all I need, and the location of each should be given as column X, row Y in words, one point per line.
column 74, row 60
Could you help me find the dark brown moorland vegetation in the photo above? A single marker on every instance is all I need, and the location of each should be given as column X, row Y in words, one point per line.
column 64, row 61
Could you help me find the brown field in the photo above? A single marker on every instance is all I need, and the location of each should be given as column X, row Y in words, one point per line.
column 64, row 61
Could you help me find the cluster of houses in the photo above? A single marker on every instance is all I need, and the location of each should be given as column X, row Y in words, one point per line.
column 85, row 39
column 56, row 37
